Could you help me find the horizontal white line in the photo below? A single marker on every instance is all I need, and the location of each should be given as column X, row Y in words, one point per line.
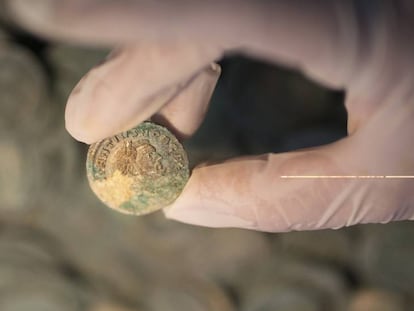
column 347, row 176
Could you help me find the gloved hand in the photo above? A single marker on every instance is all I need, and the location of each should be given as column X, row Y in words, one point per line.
column 365, row 47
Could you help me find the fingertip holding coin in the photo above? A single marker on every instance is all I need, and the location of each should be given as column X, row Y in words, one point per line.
column 138, row 171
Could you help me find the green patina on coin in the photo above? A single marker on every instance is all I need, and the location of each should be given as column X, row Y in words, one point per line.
column 138, row 171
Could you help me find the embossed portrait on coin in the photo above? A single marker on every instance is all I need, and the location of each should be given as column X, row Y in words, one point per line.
column 137, row 158
column 138, row 171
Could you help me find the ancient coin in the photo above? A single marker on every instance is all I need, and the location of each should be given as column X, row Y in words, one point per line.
column 138, row 171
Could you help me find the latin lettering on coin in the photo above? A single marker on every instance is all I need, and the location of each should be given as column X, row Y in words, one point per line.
column 138, row 171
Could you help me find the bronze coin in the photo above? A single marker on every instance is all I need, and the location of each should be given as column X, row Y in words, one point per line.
column 138, row 171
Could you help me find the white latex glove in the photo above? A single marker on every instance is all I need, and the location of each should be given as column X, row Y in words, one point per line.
column 365, row 47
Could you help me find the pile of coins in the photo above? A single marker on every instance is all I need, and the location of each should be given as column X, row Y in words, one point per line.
column 37, row 155
column 33, row 277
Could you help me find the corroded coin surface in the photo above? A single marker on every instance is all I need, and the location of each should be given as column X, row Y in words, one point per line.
column 138, row 171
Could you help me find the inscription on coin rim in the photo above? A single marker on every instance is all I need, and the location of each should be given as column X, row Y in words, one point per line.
column 126, row 192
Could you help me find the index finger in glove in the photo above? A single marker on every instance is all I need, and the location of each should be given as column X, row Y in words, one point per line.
column 136, row 82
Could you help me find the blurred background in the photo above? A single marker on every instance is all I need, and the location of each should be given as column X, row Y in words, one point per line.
column 61, row 249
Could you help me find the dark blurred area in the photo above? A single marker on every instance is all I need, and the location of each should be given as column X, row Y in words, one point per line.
column 61, row 249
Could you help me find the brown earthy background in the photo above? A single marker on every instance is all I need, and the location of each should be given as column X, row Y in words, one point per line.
column 61, row 249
